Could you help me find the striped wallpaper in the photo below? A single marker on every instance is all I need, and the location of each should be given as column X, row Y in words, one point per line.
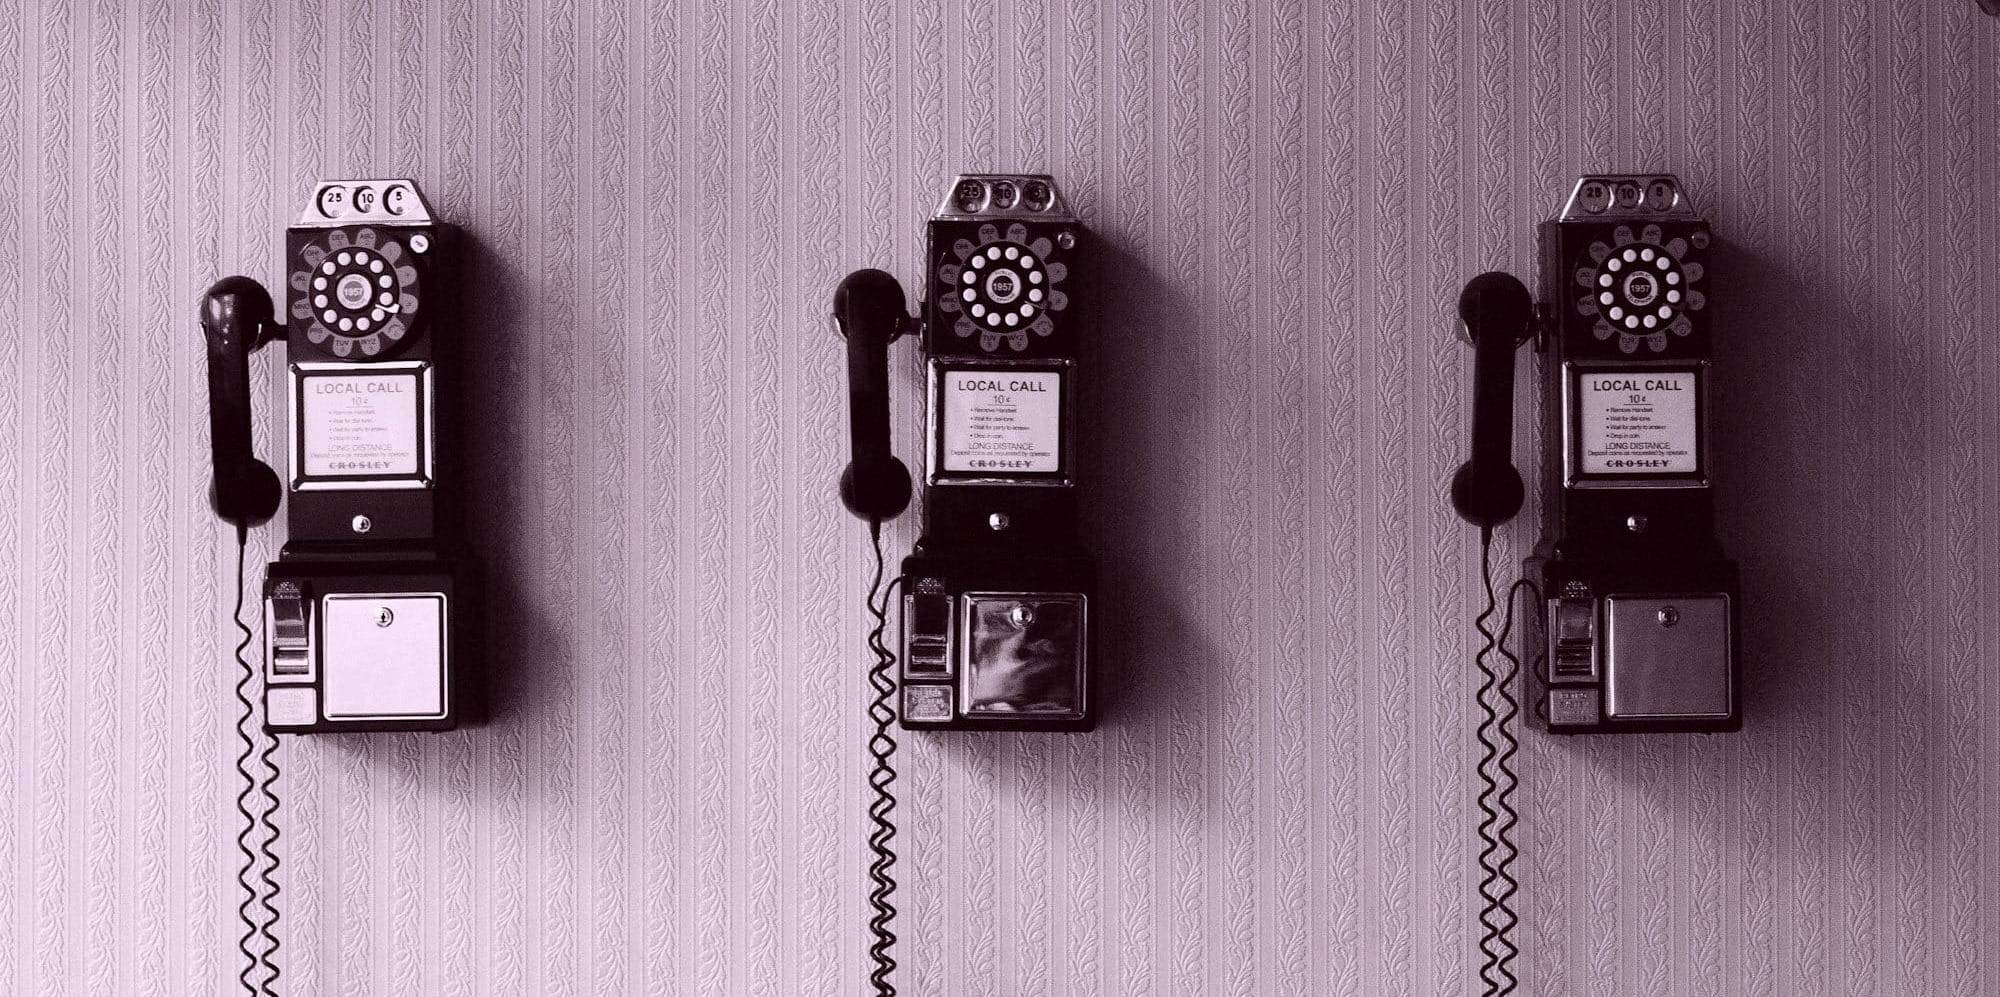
column 1288, row 194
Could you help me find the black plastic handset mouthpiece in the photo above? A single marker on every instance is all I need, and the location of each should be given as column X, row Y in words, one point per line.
column 236, row 318
column 1499, row 316
column 868, row 308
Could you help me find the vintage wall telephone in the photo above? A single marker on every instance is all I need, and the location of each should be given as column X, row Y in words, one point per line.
column 370, row 614
column 995, row 621
column 1635, row 628
column 997, row 595
column 1638, row 628
column 367, row 611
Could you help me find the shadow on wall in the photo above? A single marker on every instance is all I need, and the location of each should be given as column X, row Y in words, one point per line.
column 1141, row 511
column 497, row 411
column 1806, row 425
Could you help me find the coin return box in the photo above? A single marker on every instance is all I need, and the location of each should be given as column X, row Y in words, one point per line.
column 288, row 622
column 1573, row 625
column 927, row 635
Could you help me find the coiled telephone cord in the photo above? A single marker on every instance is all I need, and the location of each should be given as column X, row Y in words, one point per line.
column 881, row 749
column 1497, row 780
column 258, row 804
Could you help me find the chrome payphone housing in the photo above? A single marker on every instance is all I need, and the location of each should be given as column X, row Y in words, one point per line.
column 997, row 595
column 1639, row 624
column 370, row 609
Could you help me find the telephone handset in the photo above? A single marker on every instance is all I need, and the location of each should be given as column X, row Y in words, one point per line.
column 1496, row 316
column 369, row 611
column 236, row 319
column 997, row 593
column 868, row 311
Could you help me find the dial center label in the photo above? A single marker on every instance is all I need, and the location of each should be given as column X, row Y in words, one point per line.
column 1001, row 422
column 1642, row 422
column 360, row 424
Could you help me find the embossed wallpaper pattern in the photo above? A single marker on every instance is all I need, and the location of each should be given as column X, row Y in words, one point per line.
column 1289, row 194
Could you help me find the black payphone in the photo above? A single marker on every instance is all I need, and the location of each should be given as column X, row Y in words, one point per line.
column 1638, row 622
column 368, row 611
column 996, row 601
column 997, row 596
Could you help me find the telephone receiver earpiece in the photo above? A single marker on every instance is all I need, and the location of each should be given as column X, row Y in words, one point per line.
column 1498, row 316
column 868, row 311
column 236, row 318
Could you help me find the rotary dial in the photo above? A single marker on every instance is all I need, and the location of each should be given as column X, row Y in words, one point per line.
column 1003, row 287
column 358, row 294
column 1641, row 287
